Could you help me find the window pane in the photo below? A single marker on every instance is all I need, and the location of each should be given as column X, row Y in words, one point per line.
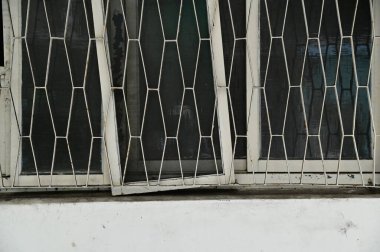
column 233, row 22
column 165, row 101
column 61, row 125
column 317, row 80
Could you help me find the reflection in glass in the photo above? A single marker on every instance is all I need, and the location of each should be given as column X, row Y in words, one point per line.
column 327, row 112
column 165, row 111
column 61, row 126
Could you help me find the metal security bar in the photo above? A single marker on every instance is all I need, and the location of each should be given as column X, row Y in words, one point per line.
column 174, row 128
column 299, row 42
column 152, row 95
column 56, row 133
column 69, row 112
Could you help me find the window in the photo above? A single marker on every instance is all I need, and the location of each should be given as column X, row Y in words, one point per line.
column 149, row 95
column 315, row 99
column 55, row 90
column 164, row 89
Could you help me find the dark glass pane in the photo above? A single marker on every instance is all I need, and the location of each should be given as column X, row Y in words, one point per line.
column 132, row 10
column 61, row 134
column 329, row 101
column 313, row 150
column 363, row 130
column 265, row 40
column 42, row 133
column 216, row 143
column 77, row 41
column 265, row 131
column 232, row 122
column 204, row 89
column 135, row 170
column 171, row 89
column 330, row 40
column 295, row 127
column 331, row 130
column 238, row 89
column 201, row 8
column 227, row 36
column 28, row 164
column 276, row 87
column 276, row 10
column 59, row 87
column 170, row 17
column 171, row 166
column 188, row 136
column 153, row 135
column 233, row 23
column 206, row 163
column 277, row 149
column 152, row 42
column 24, row 10
column 363, row 41
column 62, row 161
column 27, row 90
column 56, row 12
column 313, row 10
column 96, row 157
column 37, row 39
column 238, row 11
column 348, row 148
column 346, row 86
column 295, row 38
column 240, row 149
column 122, row 126
column 346, row 14
column 90, row 17
column 160, row 130
column 93, row 92
column 313, row 87
column 80, row 133
column 188, row 42
column 135, row 89
column 117, row 34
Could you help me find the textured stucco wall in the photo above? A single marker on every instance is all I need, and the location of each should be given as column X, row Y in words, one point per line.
column 193, row 225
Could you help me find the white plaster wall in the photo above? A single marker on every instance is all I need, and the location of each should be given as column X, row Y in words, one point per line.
column 205, row 225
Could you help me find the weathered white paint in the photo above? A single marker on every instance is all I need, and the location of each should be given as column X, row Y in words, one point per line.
column 203, row 225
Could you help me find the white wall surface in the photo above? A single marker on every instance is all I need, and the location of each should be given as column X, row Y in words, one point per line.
column 204, row 225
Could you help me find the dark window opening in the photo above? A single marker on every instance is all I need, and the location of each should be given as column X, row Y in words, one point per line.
column 61, row 93
column 316, row 103
column 165, row 97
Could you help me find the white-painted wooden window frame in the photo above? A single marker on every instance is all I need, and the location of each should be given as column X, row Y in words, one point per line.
column 220, row 86
column 13, row 176
column 234, row 171
column 5, row 102
column 323, row 172
column 112, row 172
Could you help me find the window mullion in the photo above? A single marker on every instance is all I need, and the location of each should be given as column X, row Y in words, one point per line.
column 221, row 89
column 253, row 86
column 111, row 154
column 5, row 104
column 375, row 89
column 15, row 90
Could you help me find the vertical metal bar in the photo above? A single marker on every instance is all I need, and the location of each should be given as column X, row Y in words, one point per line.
column 221, row 89
column 5, row 98
column 375, row 86
column 253, row 85
column 15, row 87
column 110, row 127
